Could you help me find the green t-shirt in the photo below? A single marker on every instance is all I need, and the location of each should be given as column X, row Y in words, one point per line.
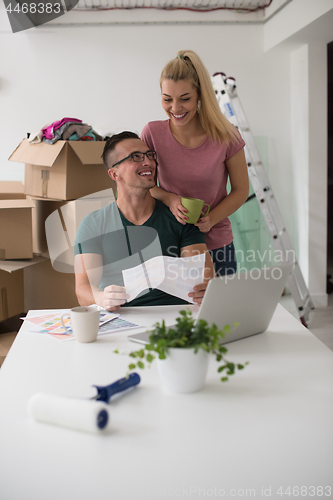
column 124, row 245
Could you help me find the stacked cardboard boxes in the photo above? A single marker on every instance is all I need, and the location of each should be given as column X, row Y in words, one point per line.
column 15, row 243
column 61, row 182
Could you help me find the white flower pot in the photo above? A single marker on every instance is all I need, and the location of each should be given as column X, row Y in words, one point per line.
column 183, row 370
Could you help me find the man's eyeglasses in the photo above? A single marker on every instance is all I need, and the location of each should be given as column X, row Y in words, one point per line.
column 137, row 156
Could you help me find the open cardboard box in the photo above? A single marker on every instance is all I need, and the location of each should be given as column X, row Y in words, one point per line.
column 65, row 170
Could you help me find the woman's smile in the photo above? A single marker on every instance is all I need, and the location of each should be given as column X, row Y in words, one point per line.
column 179, row 101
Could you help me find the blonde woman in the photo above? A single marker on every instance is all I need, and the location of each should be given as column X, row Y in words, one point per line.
column 197, row 150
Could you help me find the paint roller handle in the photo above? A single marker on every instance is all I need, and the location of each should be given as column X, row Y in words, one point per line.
column 105, row 393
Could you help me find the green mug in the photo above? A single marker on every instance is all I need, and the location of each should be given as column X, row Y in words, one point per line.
column 194, row 208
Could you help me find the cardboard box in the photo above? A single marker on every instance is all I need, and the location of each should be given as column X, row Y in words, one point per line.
column 34, row 284
column 6, row 340
column 11, row 294
column 65, row 170
column 15, row 222
column 16, row 229
column 12, row 299
column 45, row 288
column 41, row 211
column 11, row 190
column 10, row 266
column 55, row 224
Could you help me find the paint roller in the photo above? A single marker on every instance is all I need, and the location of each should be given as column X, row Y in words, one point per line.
column 79, row 414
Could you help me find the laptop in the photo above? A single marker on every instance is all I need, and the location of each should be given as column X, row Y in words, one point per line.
column 248, row 298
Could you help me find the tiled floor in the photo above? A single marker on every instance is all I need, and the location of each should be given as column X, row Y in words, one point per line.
column 320, row 319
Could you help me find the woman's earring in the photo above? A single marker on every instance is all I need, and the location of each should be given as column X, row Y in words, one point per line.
column 199, row 106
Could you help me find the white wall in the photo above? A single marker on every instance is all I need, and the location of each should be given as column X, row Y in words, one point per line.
column 299, row 97
column 303, row 29
column 108, row 75
column 294, row 17
column 317, row 78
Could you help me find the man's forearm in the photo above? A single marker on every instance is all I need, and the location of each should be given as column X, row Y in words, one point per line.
column 89, row 294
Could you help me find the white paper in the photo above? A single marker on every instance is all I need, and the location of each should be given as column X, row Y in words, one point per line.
column 176, row 276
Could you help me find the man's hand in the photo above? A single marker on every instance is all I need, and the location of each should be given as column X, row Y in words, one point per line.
column 198, row 293
column 113, row 296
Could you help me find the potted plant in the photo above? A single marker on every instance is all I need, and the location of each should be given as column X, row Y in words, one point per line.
column 182, row 353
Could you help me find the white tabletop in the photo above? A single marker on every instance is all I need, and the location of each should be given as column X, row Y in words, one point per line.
column 266, row 430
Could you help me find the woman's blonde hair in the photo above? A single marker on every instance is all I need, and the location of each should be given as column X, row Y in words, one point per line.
column 188, row 66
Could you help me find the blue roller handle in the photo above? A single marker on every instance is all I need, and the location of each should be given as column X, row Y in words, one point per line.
column 105, row 393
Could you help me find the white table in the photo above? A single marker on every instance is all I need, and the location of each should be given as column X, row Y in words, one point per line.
column 267, row 429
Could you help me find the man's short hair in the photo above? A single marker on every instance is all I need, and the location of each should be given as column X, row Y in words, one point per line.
column 112, row 142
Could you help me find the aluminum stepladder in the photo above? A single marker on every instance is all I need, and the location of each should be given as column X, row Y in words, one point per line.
column 229, row 103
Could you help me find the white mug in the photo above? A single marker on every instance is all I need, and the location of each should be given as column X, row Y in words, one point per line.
column 84, row 323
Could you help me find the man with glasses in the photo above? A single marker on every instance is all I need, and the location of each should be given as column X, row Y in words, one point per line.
column 131, row 230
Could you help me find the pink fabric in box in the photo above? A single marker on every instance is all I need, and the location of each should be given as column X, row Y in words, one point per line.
column 48, row 132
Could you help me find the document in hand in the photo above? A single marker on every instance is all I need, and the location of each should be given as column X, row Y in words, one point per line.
column 173, row 275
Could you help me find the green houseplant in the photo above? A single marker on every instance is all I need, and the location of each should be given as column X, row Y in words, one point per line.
column 182, row 353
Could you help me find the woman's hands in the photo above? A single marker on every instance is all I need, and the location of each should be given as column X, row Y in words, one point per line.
column 204, row 224
column 177, row 208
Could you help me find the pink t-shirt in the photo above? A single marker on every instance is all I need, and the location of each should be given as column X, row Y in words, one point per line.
column 193, row 172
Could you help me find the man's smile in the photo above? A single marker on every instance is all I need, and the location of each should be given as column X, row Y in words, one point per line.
column 146, row 172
